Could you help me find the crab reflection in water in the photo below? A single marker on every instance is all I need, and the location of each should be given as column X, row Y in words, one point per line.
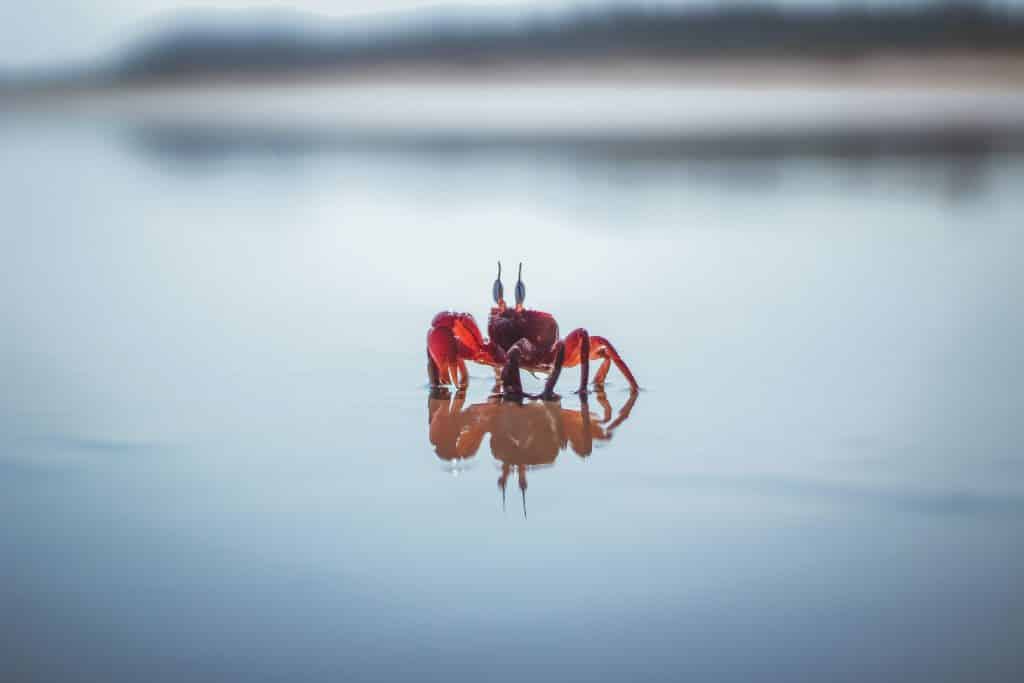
column 523, row 435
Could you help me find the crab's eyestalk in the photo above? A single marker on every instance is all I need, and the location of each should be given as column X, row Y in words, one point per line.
column 498, row 291
column 520, row 290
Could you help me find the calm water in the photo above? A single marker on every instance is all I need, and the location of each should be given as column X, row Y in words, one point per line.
column 219, row 457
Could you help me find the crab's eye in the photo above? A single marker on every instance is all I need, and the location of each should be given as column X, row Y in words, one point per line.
column 498, row 291
column 520, row 288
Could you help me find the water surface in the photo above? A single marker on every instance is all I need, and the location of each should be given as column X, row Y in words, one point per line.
column 218, row 460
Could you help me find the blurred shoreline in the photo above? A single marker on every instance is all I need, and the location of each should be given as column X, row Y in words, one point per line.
column 882, row 69
column 918, row 80
column 902, row 103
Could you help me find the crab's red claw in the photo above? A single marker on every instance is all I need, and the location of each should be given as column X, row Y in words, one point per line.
column 443, row 349
column 453, row 339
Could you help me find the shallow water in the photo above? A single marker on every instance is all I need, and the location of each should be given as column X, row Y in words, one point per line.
column 219, row 457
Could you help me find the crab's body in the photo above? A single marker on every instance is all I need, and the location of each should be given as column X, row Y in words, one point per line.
column 519, row 338
column 535, row 333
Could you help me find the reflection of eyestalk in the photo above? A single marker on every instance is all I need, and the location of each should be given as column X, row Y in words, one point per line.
column 506, row 470
column 521, row 472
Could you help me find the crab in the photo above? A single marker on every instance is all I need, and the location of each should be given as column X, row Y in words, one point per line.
column 519, row 339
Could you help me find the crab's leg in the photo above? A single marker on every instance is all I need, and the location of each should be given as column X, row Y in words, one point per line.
column 604, row 347
column 523, row 352
column 511, row 383
column 577, row 352
column 602, row 371
column 549, row 387
column 581, row 348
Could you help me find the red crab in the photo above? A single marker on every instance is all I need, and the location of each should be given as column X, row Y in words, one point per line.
column 519, row 339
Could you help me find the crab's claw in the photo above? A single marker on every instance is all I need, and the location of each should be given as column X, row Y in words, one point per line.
column 443, row 355
column 453, row 339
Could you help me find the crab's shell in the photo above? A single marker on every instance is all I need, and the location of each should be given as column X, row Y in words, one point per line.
column 506, row 327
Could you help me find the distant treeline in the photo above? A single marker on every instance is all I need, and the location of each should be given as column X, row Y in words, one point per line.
column 735, row 31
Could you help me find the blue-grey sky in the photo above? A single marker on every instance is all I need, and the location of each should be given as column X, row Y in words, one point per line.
column 53, row 32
